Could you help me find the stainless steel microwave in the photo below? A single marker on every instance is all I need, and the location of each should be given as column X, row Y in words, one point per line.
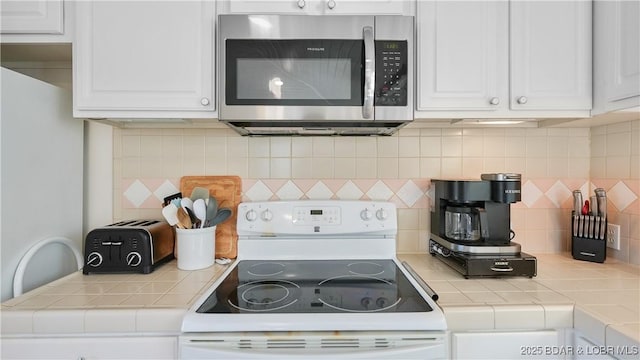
column 315, row 75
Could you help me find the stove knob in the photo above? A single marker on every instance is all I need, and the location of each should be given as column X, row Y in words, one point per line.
column 134, row 258
column 366, row 215
column 251, row 215
column 365, row 302
column 267, row 215
column 94, row 259
column 381, row 214
column 382, row 302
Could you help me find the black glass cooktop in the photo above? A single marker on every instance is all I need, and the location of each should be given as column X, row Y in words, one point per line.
column 315, row 286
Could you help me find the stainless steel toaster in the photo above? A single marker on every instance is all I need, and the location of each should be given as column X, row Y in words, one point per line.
column 132, row 246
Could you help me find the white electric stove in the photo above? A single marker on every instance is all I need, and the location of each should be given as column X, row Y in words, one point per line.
column 316, row 279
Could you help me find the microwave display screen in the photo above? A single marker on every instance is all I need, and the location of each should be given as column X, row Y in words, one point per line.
column 294, row 78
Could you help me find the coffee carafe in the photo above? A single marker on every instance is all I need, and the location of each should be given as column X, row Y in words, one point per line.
column 465, row 223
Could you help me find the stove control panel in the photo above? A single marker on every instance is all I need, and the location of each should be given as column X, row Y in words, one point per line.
column 311, row 217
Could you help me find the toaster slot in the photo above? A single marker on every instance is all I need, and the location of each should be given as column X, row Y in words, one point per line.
column 134, row 223
column 116, row 250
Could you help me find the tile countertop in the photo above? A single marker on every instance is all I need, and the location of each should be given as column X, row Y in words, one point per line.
column 601, row 300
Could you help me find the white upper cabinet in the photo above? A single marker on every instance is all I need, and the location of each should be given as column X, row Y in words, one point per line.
column 144, row 59
column 462, row 59
column 31, row 17
column 550, row 55
column 36, row 21
column 317, row 7
column 503, row 59
column 616, row 55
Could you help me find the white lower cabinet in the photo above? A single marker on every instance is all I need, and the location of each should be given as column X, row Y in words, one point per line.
column 87, row 348
column 541, row 344
column 585, row 349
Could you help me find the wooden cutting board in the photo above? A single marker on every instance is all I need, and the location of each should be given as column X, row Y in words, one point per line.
column 227, row 190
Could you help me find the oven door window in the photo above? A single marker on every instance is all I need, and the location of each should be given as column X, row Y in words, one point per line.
column 294, row 72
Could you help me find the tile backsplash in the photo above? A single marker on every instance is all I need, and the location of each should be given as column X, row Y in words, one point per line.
column 148, row 164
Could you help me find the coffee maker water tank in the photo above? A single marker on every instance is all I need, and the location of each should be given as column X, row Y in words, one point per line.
column 505, row 187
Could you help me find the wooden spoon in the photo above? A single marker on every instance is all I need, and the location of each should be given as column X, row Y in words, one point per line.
column 184, row 221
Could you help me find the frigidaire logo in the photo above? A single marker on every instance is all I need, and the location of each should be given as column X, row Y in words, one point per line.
column 315, row 49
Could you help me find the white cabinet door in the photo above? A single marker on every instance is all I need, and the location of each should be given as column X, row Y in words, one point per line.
column 367, row 7
column 269, row 6
column 91, row 348
column 625, row 78
column 506, row 345
column 318, row 7
column 584, row 349
column 550, row 55
column 144, row 59
column 619, row 46
column 31, row 17
column 462, row 55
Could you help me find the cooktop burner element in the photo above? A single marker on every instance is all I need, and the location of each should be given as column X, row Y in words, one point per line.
column 365, row 268
column 266, row 269
column 264, row 296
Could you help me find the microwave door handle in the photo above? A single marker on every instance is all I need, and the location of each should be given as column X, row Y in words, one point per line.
column 369, row 71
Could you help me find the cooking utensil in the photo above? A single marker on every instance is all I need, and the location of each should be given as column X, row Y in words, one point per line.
column 585, row 208
column 222, row 215
column 601, row 196
column 192, row 216
column 186, row 203
column 212, row 210
column 593, row 205
column 200, row 210
column 577, row 202
column 184, row 221
column 199, row 193
column 170, row 213
column 171, row 198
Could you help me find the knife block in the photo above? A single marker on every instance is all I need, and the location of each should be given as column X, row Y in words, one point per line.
column 588, row 248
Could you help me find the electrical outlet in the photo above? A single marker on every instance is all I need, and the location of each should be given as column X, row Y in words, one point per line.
column 613, row 236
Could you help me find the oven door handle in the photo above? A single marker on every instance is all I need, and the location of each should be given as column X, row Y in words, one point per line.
column 369, row 72
column 214, row 351
column 421, row 282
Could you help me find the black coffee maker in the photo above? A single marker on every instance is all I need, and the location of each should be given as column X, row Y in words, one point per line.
column 471, row 226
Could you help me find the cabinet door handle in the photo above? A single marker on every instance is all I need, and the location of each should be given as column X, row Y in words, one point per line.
column 204, row 101
column 522, row 100
column 494, row 101
column 331, row 4
column 301, row 4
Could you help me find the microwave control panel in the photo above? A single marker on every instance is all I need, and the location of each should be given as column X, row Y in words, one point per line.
column 391, row 73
